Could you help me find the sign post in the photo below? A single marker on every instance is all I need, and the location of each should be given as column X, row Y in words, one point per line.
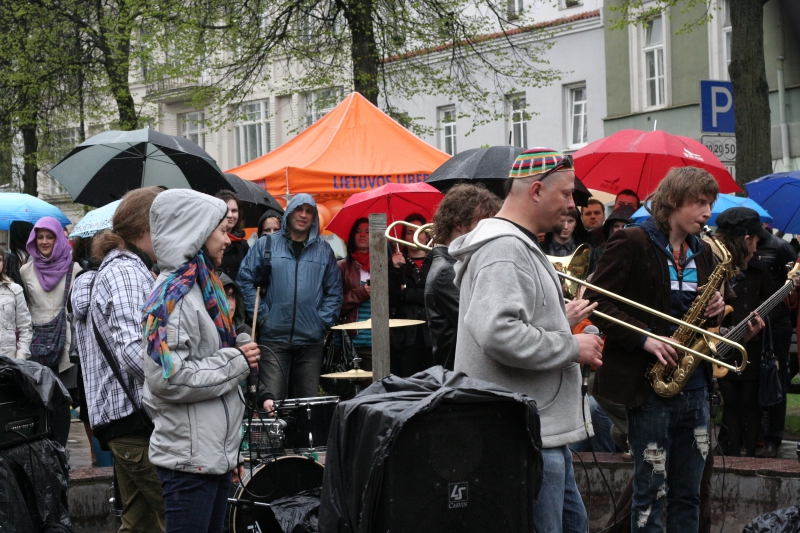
column 718, row 118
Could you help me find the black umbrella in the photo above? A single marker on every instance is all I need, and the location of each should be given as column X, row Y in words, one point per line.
column 253, row 200
column 489, row 166
column 103, row 168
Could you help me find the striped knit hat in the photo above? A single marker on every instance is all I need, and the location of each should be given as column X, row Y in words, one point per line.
column 535, row 161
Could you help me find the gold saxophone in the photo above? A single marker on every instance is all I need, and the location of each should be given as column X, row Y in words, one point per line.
column 668, row 381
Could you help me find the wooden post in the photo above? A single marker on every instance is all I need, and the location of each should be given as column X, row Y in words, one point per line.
column 379, row 295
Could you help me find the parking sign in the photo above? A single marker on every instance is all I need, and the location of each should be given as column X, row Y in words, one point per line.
column 716, row 106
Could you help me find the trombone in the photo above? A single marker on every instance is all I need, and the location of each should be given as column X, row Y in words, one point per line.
column 427, row 228
column 564, row 268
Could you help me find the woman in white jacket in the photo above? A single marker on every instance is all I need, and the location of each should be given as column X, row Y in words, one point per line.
column 192, row 364
column 15, row 320
column 45, row 282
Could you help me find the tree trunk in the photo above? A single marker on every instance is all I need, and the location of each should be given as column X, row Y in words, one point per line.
column 30, row 144
column 118, row 80
column 364, row 51
column 750, row 90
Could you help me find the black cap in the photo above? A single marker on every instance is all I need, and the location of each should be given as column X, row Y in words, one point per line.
column 623, row 213
column 741, row 221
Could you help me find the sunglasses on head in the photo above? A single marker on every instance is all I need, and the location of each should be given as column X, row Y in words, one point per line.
column 564, row 164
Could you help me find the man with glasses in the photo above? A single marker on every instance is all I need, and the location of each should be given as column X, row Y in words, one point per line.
column 513, row 326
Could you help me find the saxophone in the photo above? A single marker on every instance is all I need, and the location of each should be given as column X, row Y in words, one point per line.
column 668, row 381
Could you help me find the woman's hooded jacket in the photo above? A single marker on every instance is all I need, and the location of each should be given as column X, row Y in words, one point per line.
column 197, row 411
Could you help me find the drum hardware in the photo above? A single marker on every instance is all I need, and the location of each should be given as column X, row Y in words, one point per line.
column 270, row 481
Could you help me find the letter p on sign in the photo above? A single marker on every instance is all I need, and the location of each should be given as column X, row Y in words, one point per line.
column 716, row 106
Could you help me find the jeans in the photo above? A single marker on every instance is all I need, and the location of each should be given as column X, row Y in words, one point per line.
column 660, row 430
column 559, row 507
column 290, row 371
column 781, row 342
column 194, row 503
column 139, row 487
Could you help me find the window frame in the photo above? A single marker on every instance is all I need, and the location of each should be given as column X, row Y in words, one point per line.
column 571, row 90
column 637, row 33
column 661, row 89
column 263, row 127
column 516, row 116
column 201, row 131
column 442, row 113
column 312, row 113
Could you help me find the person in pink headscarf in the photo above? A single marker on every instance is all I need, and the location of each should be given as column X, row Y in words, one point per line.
column 44, row 278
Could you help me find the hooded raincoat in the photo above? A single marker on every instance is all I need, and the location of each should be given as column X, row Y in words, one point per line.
column 197, row 412
column 303, row 295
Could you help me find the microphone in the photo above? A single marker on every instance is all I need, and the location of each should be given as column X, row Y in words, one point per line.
column 252, row 377
column 587, row 368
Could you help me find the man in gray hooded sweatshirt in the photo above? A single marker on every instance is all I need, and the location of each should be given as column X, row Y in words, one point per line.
column 513, row 326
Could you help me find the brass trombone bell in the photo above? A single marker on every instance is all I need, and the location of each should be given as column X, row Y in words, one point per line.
column 705, row 333
column 576, row 265
column 427, row 228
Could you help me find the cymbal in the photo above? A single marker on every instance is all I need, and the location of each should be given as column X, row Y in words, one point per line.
column 367, row 324
column 354, row 374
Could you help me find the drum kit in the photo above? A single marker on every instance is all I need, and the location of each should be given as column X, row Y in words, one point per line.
column 283, row 450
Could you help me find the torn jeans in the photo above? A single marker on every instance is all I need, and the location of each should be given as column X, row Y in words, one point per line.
column 669, row 439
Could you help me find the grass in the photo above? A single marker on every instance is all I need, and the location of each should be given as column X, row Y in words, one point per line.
column 792, row 428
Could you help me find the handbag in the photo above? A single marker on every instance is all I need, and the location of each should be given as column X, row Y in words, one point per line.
column 49, row 339
column 337, row 359
column 770, row 390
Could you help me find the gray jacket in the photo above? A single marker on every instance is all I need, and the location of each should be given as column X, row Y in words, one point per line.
column 513, row 329
column 198, row 411
column 15, row 320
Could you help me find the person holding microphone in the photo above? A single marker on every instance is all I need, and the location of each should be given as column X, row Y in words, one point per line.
column 192, row 363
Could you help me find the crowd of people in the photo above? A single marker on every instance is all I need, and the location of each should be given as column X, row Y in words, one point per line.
column 154, row 324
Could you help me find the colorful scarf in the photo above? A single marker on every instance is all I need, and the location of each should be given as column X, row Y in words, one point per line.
column 50, row 270
column 165, row 297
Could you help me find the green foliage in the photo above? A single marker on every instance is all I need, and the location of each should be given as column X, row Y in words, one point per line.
column 638, row 11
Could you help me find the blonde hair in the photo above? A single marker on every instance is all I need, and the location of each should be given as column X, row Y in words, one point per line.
column 680, row 185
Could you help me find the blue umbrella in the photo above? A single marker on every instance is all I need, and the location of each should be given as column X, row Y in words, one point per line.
column 723, row 203
column 17, row 206
column 780, row 194
column 95, row 221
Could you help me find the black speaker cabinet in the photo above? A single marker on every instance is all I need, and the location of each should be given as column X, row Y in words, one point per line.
column 460, row 467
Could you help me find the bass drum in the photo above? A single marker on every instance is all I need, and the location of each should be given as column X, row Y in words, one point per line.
column 270, row 481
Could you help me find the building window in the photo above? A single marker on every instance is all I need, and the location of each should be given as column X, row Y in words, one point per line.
column 655, row 77
column 578, row 134
column 566, row 4
column 514, row 8
column 193, row 127
column 726, row 32
column 252, row 131
column 517, row 121
column 318, row 103
column 447, row 124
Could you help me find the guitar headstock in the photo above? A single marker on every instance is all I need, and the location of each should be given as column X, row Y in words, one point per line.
column 794, row 273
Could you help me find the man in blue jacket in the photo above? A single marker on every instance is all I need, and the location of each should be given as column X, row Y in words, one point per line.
column 301, row 293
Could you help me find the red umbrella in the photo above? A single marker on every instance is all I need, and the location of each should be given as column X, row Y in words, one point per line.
column 396, row 200
column 639, row 160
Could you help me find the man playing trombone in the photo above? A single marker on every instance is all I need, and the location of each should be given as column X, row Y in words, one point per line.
column 513, row 327
column 663, row 265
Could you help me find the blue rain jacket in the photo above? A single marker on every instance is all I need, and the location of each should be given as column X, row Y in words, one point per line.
column 303, row 297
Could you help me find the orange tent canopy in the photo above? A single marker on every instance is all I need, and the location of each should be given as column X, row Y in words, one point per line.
column 354, row 148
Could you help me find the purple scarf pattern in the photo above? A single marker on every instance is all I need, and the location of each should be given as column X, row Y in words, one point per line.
column 50, row 271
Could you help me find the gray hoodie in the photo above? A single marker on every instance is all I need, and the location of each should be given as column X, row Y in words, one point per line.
column 197, row 412
column 513, row 329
